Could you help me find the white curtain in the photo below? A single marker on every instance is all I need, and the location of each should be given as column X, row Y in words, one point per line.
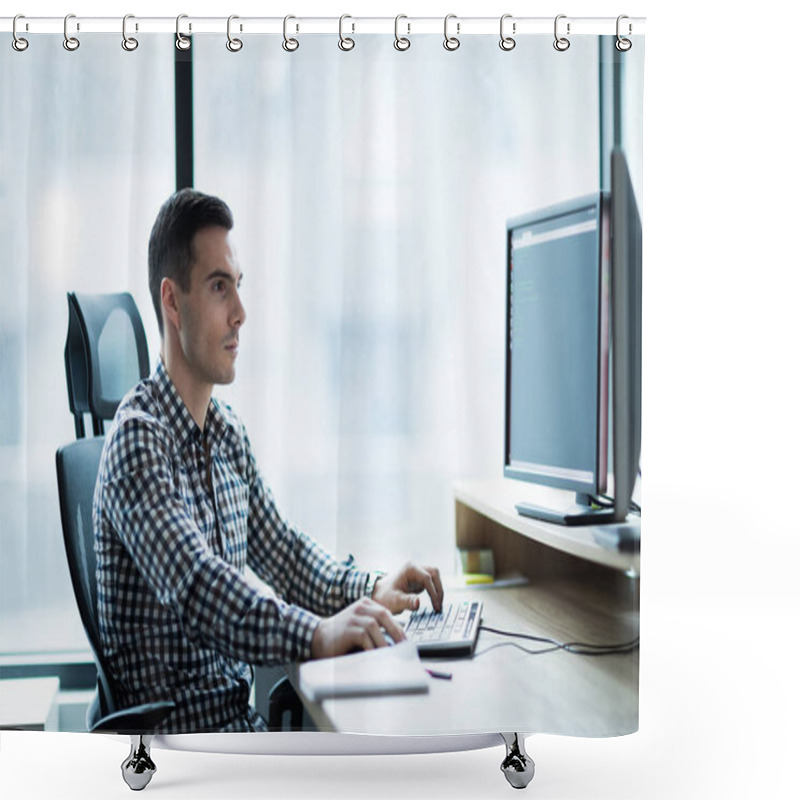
column 87, row 153
column 370, row 192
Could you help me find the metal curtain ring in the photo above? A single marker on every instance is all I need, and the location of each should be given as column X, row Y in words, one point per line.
column 622, row 44
column 345, row 44
column 70, row 42
column 289, row 45
column 507, row 42
column 451, row 42
column 401, row 43
column 128, row 42
column 234, row 45
column 561, row 43
column 19, row 44
column 181, row 42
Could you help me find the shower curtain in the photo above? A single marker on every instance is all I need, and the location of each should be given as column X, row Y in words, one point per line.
column 370, row 186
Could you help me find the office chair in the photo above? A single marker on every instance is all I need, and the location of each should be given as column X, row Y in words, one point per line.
column 105, row 355
column 76, row 468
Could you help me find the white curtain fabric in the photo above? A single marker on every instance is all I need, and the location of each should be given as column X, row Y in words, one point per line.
column 370, row 192
column 86, row 156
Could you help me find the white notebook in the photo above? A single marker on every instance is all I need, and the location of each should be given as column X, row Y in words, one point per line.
column 385, row 670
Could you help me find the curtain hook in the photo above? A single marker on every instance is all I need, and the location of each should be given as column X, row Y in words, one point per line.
column 622, row 44
column 401, row 43
column 182, row 42
column 289, row 45
column 128, row 42
column 451, row 42
column 561, row 43
column 507, row 42
column 70, row 42
column 19, row 44
column 345, row 44
column 234, row 45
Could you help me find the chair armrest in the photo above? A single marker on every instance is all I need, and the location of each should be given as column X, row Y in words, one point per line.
column 283, row 698
column 136, row 719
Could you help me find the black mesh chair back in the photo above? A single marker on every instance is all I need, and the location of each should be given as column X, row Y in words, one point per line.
column 105, row 355
column 77, row 466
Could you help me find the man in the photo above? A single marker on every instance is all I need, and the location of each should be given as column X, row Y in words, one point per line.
column 180, row 509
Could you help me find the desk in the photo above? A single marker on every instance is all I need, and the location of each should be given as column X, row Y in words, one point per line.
column 29, row 704
column 578, row 590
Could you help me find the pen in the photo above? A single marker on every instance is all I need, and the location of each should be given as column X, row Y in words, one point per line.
column 445, row 676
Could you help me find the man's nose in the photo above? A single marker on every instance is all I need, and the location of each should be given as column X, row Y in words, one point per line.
column 239, row 314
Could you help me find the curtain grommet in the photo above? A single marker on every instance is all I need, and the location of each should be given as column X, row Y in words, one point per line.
column 70, row 43
column 182, row 42
column 507, row 43
column 401, row 43
column 18, row 43
column 346, row 44
column 128, row 42
column 234, row 45
column 623, row 44
column 451, row 43
column 289, row 44
column 561, row 43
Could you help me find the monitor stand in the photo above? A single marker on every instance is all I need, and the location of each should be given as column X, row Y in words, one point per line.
column 580, row 513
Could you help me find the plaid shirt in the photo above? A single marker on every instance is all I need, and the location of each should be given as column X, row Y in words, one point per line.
column 178, row 513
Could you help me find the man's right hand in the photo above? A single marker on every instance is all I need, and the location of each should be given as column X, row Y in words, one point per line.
column 360, row 626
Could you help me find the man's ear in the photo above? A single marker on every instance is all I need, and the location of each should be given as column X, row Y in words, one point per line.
column 169, row 302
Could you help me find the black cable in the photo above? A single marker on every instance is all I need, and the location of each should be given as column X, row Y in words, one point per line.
column 601, row 500
column 606, row 501
column 576, row 648
column 477, row 654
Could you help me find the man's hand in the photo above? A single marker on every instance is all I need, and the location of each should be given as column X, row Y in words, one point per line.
column 360, row 626
column 399, row 591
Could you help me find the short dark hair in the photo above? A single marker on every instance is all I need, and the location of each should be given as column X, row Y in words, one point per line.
column 170, row 253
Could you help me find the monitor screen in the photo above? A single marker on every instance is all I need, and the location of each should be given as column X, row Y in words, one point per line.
column 557, row 346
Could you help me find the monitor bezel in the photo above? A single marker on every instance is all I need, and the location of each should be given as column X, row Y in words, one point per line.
column 626, row 287
column 597, row 484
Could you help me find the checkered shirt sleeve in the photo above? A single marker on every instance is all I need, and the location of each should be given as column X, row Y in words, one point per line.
column 215, row 604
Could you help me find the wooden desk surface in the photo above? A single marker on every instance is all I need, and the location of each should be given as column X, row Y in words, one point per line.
column 502, row 688
column 579, row 590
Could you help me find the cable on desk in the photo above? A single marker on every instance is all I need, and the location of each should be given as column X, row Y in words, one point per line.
column 606, row 501
column 576, row 648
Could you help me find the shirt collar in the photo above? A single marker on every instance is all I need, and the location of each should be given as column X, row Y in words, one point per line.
column 182, row 424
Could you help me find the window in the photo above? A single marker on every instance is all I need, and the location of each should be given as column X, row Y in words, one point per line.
column 87, row 153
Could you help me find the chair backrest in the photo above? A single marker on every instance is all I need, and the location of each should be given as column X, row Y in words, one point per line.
column 77, row 465
column 105, row 355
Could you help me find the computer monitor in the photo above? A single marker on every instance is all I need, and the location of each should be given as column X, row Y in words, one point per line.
column 626, row 293
column 573, row 308
column 557, row 352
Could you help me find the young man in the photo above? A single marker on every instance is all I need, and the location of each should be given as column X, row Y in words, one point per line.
column 180, row 509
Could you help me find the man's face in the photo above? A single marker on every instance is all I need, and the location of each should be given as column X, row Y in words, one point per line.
column 211, row 312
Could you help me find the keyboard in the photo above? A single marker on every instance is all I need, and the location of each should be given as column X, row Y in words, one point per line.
column 452, row 632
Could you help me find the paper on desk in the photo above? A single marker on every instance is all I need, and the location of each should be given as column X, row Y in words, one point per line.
column 385, row 670
column 458, row 582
